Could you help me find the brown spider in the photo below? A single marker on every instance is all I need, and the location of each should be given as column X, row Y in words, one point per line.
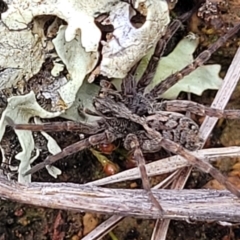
column 144, row 123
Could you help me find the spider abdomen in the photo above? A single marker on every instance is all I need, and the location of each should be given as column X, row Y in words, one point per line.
column 176, row 127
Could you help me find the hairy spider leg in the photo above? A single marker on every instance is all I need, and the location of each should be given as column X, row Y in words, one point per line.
column 129, row 85
column 131, row 143
column 200, row 60
column 57, row 127
column 200, row 164
column 196, row 108
column 148, row 74
column 74, row 148
column 191, row 158
column 121, row 110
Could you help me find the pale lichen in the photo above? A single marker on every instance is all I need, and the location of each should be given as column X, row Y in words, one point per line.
column 128, row 44
column 78, row 15
column 21, row 56
column 203, row 78
column 53, row 148
column 21, row 109
column 77, row 61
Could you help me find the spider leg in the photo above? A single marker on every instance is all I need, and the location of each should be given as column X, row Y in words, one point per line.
column 148, row 75
column 198, row 109
column 193, row 160
column 131, row 143
column 178, row 149
column 199, row 163
column 129, row 85
column 59, row 126
column 200, row 60
column 76, row 147
column 120, row 110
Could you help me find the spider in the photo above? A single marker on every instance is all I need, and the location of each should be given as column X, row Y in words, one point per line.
column 144, row 123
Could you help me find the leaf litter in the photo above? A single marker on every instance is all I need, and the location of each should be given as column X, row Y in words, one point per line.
column 59, row 68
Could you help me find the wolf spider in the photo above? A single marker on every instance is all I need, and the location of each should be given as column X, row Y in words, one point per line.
column 143, row 123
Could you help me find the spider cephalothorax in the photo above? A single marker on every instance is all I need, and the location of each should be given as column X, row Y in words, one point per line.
column 171, row 125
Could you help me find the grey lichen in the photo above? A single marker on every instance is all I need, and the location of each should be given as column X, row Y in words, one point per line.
column 128, row 44
column 21, row 56
column 77, row 61
column 78, row 15
column 21, row 109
